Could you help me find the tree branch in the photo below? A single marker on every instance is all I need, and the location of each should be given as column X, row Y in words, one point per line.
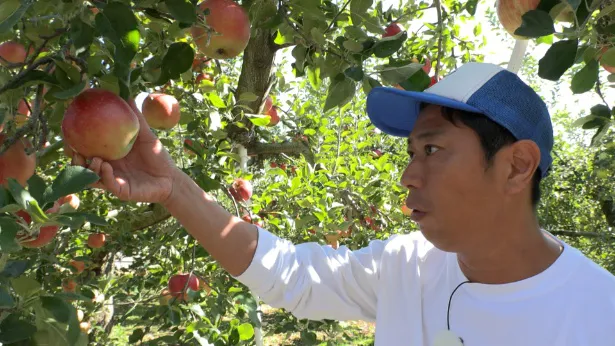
column 21, row 75
column 150, row 217
column 337, row 15
column 439, row 56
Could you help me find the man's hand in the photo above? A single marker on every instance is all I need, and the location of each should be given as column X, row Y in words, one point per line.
column 146, row 174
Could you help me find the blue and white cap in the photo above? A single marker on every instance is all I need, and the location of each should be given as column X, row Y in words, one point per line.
column 482, row 88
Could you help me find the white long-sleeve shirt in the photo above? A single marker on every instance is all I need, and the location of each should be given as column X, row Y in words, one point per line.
column 404, row 284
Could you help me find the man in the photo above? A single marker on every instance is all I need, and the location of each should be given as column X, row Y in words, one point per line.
column 481, row 272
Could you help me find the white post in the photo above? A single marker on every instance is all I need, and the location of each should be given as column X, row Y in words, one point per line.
column 516, row 58
column 258, row 332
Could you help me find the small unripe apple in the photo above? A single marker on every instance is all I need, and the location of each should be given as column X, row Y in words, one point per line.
column 85, row 327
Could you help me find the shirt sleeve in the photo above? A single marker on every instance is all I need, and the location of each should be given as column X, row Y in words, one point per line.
column 314, row 281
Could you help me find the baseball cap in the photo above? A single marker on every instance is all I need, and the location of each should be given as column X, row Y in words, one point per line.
column 483, row 88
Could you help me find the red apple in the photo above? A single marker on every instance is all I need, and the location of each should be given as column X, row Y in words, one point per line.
column 204, row 76
column 231, row 24
column 283, row 166
column 85, row 326
column 510, row 13
column 69, row 285
column 177, row 283
column 98, row 123
column 45, row 236
column 69, row 203
column 247, row 218
column 15, row 163
column 78, row 265
column 241, row 189
column 23, row 113
column 161, row 111
column 25, row 216
column 427, row 66
column 268, row 105
column 273, row 165
column 391, row 30
column 377, row 153
column 96, row 240
column 13, row 52
column 274, row 117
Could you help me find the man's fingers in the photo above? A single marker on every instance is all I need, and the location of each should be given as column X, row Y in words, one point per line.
column 95, row 165
column 108, row 179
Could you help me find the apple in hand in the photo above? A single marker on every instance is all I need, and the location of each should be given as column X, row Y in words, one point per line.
column 99, row 123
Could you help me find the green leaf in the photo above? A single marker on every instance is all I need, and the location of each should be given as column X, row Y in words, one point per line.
column 36, row 187
column 26, row 201
column 395, row 73
column 586, row 78
column 216, row 100
column 341, row 91
column 369, row 83
column 13, row 269
column 58, row 308
column 385, row 47
column 81, row 33
column 608, row 57
column 246, row 331
column 574, row 4
column 372, row 24
column 8, row 230
column 72, row 179
column 118, row 24
column 91, row 218
column 25, row 286
column 110, row 82
column 177, row 60
column 182, row 10
column 419, row 81
column 471, row 6
column 260, row 120
column 313, row 73
column 136, row 336
column 358, row 8
column 558, row 59
column 12, row 329
column 535, row 23
column 601, row 110
column 355, row 72
column 70, row 92
column 11, row 12
column 6, row 300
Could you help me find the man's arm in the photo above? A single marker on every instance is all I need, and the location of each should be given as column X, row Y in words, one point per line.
column 227, row 238
column 309, row 280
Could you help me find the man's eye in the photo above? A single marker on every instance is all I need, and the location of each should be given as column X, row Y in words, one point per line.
column 430, row 149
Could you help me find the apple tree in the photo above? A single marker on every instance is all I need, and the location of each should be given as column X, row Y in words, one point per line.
column 261, row 102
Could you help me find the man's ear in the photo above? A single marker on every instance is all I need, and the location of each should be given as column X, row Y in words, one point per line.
column 523, row 158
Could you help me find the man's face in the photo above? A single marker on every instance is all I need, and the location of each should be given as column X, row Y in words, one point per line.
column 454, row 198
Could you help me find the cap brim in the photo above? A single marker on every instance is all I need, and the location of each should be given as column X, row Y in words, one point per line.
column 395, row 111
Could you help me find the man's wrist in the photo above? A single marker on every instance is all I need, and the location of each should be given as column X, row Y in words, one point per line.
column 178, row 178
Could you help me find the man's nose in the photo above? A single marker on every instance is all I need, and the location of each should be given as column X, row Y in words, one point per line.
column 412, row 176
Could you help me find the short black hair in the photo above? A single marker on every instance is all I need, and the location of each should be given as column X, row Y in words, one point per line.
column 493, row 137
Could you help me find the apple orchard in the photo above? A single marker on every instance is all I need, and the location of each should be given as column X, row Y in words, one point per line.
column 262, row 103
